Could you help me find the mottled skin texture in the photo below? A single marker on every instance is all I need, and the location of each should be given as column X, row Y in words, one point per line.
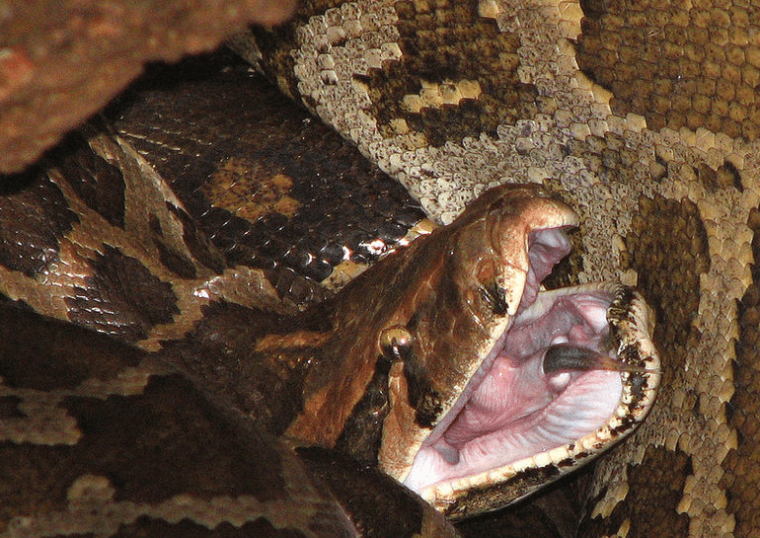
column 143, row 452
column 110, row 439
column 61, row 63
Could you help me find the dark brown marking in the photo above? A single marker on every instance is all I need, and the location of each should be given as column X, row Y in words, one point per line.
column 277, row 43
column 9, row 407
column 35, row 466
column 343, row 201
column 495, row 297
column 98, row 183
column 122, row 298
column 553, row 512
column 220, row 353
column 477, row 498
column 482, row 52
column 741, row 467
column 155, row 225
column 43, row 354
column 423, row 398
column 683, row 254
column 198, row 243
column 145, row 527
column 18, row 304
column 169, row 441
column 34, row 216
column 369, row 495
column 663, row 489
column 676, row 66
column 660, row 168
column 727, row 176
column 175, row 261
column 363, row 429
column 426, row 401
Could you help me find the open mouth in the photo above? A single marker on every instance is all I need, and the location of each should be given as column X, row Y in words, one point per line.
column 573, row 373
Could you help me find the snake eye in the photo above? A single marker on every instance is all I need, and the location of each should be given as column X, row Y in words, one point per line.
column 495, row 298
column 396, row 343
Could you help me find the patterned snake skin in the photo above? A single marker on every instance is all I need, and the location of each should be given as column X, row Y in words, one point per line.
column 643, row 117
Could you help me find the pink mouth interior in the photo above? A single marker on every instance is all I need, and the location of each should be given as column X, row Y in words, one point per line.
column 512, row 408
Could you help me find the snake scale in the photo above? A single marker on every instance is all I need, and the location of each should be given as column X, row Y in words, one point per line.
column 642, row 116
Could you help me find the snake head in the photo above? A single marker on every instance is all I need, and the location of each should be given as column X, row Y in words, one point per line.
column 479, row 385
column 504, row 385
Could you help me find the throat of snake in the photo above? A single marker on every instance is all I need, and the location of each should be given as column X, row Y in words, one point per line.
column 548, row 386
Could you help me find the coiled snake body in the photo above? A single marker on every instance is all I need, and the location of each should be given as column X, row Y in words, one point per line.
column 663, row 173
